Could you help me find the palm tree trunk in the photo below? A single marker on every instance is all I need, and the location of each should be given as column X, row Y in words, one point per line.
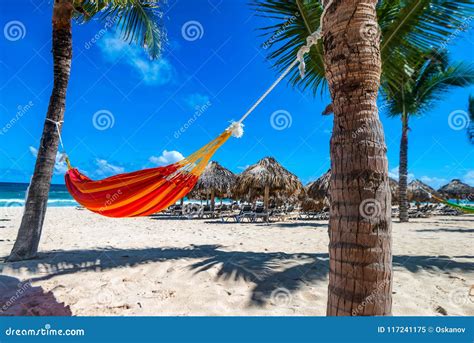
column 26, row 244
column 266, row 197
column 360, row 276
column 403, row 171
column 213, row 199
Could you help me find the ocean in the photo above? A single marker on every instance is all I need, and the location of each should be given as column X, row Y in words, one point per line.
column 13, row 194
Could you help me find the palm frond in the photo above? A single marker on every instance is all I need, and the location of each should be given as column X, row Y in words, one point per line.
column 410, row 26
column 293, row 22
column 137, row 20
column 428, row 82
column 407, row 28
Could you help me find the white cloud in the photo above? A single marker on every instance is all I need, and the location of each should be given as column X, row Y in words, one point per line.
column 105, row 168
column 167, row 157
column 469, row 178
column 196, row 100
column 60, row 166
column 435, row 182
column 152, row 72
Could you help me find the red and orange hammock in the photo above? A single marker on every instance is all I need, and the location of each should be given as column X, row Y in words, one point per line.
column 143, row 192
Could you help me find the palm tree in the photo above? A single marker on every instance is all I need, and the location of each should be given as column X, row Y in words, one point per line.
column 424, row 84
column 137, row 20
column 348, row 59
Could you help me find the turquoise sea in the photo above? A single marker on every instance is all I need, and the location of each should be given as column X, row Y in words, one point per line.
column 13, row 194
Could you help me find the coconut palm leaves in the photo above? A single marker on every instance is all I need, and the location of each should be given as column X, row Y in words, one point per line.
column 137, row 20
column 294, row 21
column 425, row 83
column 406, row 27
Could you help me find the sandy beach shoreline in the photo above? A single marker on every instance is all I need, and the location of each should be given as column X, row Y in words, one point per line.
column 93, row 265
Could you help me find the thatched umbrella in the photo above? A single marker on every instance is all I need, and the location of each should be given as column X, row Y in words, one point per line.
column 457, row 190
column 394, row 189
column 266, row 177
column 214, row 181
column 319, row 189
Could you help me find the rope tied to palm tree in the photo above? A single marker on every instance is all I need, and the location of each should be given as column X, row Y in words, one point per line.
column 64, row 156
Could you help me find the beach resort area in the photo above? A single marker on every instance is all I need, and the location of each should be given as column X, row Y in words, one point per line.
column 233, row 261
column 237, row 158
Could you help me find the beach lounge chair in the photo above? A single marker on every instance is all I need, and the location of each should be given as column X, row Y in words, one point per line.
column 206, row 212
column 261, row 213
column 191, row 211
column 246, row 214
column 176, row 210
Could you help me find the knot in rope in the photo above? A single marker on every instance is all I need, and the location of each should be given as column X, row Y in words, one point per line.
column 310, row 41
column 64, row 157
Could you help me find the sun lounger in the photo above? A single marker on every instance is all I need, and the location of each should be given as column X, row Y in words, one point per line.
column 260, row 213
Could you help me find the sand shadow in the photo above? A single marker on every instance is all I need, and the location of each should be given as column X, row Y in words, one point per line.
column 446, row 229
column 23, row 299
column 267, row 271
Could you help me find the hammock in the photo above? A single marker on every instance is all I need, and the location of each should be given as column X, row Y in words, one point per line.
column 148, row 191
column 464, row 208
column 143, row 192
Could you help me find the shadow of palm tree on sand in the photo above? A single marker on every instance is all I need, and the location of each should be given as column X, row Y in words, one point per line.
column 267, row 271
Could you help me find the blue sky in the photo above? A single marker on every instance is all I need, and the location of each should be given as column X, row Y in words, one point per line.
column 125, row 112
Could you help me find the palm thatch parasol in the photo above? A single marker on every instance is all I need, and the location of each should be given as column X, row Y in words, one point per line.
column 319, row 189
column 394, row 189
column 420, row 192
column 214, row 181
column 266, row 177
column 457, row 190
column 311, row 205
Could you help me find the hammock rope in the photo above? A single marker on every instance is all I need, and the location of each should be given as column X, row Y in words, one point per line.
column 465, row 209
column 148, row 191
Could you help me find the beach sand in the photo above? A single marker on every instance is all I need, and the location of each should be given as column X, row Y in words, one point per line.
column 92, row 265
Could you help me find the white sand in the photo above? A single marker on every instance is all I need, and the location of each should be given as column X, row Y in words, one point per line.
column 147, row 266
